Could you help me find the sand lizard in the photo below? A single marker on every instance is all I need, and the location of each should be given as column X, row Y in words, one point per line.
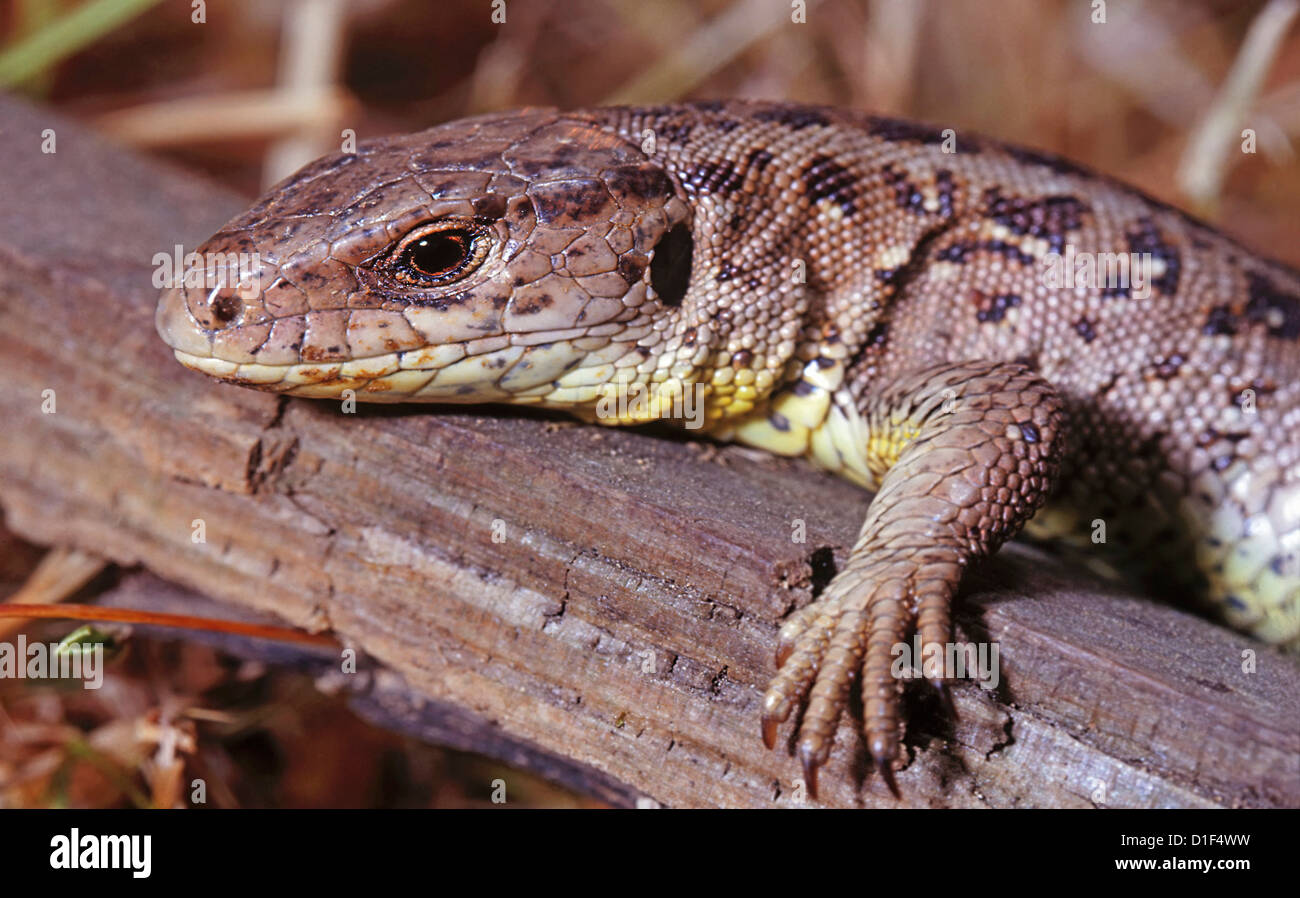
column 869, row 293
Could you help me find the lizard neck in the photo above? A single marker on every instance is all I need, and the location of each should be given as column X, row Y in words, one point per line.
column 811, row 217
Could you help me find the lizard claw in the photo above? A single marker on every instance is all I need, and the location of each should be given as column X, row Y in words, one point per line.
column 771, row 726
column 783, row 651
column 792, row 630
column 810, row 767
column 945, row 698
column 886, row 768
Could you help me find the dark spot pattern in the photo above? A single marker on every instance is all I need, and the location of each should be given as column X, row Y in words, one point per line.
column 1220, row 320
column 909, row 196
column 947, row 190
column 1266, row 304
column 759, row 160
column 1166, row 368
column 1049, row 218
column 673, row 130
column 992, row 309
column 1259, row 386
column 531, row 304
column 1144, row 237
column 1210, row 435
column 1084, row 328
column 434, row 301
column 575, row 200
column 718, row 177
column 826, row 179
column 906, row 194
column 957, row 252
column 1280, row 311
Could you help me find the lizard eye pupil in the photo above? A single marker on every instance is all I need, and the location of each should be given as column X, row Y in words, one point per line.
column 439, row 254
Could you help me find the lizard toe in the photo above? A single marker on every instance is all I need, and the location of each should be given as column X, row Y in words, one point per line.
column 798, row 665
column 793, row 628
column 830, row 690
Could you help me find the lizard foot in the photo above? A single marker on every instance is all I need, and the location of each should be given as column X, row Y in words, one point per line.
column 969, row 452
column 850, row 634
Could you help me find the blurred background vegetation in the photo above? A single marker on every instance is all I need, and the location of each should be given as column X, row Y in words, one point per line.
column 260, row 86
column 245, row 91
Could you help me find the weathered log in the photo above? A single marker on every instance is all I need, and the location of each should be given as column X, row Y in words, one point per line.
column 598, row 605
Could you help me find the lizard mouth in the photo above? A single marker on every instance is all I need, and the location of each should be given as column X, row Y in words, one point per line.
column 557, row 373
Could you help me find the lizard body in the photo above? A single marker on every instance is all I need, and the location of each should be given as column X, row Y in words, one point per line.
column 872, row 294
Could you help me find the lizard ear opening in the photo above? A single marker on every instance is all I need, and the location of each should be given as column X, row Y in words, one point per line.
column 670, row 269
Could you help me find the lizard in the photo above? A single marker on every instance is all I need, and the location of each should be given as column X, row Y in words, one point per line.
column 872, row 294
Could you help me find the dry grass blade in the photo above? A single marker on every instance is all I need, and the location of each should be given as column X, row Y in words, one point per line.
column 62, row 572
column 1206, row 161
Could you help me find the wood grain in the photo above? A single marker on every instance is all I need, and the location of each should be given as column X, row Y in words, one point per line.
column 597, row 605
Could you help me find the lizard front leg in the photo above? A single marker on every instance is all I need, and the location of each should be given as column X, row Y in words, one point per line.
column 965, row 453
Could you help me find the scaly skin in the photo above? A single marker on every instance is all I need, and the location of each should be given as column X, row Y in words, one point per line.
column 831, row 285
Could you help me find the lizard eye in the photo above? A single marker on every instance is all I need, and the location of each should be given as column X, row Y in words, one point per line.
column 438, row 253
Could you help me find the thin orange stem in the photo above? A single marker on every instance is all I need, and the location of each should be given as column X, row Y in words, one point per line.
column 162, row 619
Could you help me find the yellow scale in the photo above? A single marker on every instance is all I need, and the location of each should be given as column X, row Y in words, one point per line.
column 823, row 425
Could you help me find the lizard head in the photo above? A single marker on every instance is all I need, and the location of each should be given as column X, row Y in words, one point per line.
column 533, row 257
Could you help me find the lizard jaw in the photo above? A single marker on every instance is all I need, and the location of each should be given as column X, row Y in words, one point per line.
column 452, row 373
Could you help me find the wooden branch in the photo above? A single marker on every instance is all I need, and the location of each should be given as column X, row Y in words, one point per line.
column 597, row 604
column 379, row 694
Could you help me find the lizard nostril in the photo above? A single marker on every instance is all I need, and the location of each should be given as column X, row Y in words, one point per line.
column 670, row 270
column 225, row 308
